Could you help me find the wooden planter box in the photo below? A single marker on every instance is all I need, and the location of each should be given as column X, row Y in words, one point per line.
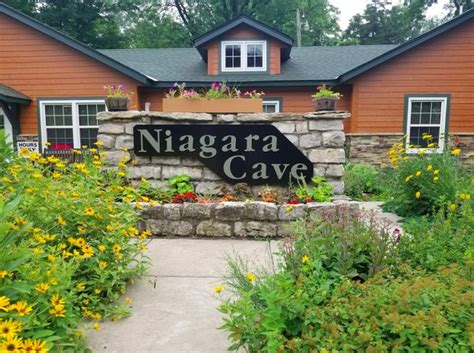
column 116, row 104
column 329, row 104
column 203, row 105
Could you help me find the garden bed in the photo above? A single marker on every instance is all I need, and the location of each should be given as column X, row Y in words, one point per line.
column 232, row 219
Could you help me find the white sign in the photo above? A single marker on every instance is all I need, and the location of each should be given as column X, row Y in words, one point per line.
column 31, row 146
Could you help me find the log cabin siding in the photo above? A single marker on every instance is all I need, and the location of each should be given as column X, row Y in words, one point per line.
column 40, row 66
column 444, row 65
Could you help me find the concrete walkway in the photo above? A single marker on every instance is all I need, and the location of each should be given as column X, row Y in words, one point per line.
column 174, row 310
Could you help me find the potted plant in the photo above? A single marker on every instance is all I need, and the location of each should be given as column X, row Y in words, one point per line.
column 325, row 98
column 117, row 99
column 220, row 98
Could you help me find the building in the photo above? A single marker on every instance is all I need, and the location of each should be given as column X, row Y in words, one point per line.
column 52, row 86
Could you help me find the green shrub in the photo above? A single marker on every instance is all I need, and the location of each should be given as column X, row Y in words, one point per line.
column 361, row 179
column 423, row 184
column 319, row 190
column 68, row 248
column 180, row 184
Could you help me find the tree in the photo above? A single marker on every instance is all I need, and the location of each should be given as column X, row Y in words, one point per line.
column 381, row 23
column 25, row 6
column 456, row 7
column 92, row 22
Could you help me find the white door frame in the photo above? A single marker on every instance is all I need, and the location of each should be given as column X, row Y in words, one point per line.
column 8, row 127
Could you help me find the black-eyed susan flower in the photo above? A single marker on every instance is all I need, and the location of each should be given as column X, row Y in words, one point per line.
column 12, row 344
column 429, row 168
column 39, row 347
column 128, row 301
column 22, row 308
column 456, row 152
column 218, row 289
column 418, row 194
column 89, row 211
column 102, row 265
column 3, row 274
column 4, row 303
column 42, row 287
column 96, row 326
column 101, row 248
column 61, row 221
column 305, row 259
column 58, row 311
column 57, row 300
column 251, row 276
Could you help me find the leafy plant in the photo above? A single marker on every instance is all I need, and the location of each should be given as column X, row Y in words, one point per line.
column 324, row 91
column 361, row 179
column 180, row 184
column 116, row 91
column 319, row 191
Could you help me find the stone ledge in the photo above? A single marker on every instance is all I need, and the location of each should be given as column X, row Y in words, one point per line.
column 233, row 219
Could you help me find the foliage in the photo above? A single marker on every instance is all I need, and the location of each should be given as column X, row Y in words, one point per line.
column 319, row 191
column 384, row 23
column 324, row 91
column 425, row 182
column 180, row 184
column 116, row 91
column 221, row 90
column 67, row 249
column 361, row 179
column 217, row 91
column 347, row 285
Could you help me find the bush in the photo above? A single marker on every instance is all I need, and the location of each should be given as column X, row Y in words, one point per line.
column 68, row 249
column 361, row 179
column 422, row 184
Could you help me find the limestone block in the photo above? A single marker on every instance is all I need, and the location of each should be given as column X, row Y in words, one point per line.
column 154, row 212
column 294, row 139
column 301, row 127
column 229, row 211
column 285, row 229
column 178, row 228
column 310, row 140
column 291, row 212
column 214, row 229
column 210, row 187
column 325, row 125
column 145, row 171
column 115, row 157
column 210, row 175
column 166, row 160
column 108, row 141
column 137, row 160
column 225, row 118
column 261, row 211
column 334, row 139
column 124, row 141
column 156, row 226
column 319, row 171
column 111, row 128
column 191, row 162
column 172, row 211
column 337, row 186
column 327, row 155
column 285, row 128
column 197, row 210
column 255, row 229
column 172, row 171
column 335, row 170
column 318, row 208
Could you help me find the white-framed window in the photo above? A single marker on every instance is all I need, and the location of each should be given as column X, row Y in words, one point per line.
column 248, row 55
column 67, row 124
column 426, row 115
column 271, row 106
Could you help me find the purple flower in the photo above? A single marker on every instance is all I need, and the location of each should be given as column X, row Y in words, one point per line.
column 216, row 85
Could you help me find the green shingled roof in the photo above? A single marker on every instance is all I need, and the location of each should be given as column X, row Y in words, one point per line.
column 9, row 95
column 307, row 65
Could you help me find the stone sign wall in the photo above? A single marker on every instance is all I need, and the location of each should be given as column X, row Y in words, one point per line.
column 319, row 136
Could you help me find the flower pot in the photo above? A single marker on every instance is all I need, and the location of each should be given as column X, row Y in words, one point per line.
column 328, row 103
column 204, row 105
column 117, row 104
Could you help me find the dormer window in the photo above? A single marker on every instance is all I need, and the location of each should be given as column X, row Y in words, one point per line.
column 244, row 56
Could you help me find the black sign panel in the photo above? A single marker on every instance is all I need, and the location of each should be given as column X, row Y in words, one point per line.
column 254, row 154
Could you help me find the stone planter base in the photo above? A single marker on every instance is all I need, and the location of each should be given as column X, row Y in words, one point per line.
column 233, row 219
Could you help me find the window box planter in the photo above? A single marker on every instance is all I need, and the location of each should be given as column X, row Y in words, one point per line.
column 204, row 105
column 117, row 104
column 329, row 103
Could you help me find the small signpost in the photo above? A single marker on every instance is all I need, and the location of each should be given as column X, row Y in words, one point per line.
column 31, row 146
column 255, row 154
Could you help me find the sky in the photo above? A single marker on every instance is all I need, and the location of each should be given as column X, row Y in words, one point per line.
column 349, row 8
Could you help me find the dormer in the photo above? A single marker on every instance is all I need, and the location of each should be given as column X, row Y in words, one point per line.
column 244, row 45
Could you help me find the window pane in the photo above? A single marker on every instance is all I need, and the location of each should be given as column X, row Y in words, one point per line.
column 228, row 62
column 237, row 62
column 415, row 107
column 59, row 138
column 425, row 118
column 269, row 107
column 436, row 107
column 254, row 55
column 416, row 136
column 58, row 115
column 415, row 118
column 88, row 137
column 88, row 114
column 258, row 62
column 435, row 118
column 426, row 107
column 232, row 56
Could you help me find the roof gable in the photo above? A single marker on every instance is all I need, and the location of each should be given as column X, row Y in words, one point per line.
column 10, row 95
column 404, row 47
column 213, row 34
column 50, row 32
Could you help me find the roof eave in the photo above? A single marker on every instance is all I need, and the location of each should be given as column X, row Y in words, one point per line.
column 248, row 84
column 15, row 100
column 37, row 25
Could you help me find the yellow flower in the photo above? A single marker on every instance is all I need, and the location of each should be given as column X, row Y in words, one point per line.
column 39, row 347
column 218, row 289
column 102, row 264
column 418, row 173
column 97, row 291
column 436, row 172
column 128, row 301
column 9, row 328
column 453, row 207
column 51, row 258
column 89, row 211
column 143, row 248
column 251, row 276
column 431, row 145
column 121, row 174
column 87, row 251
column 101, row 248
column 81, row 286
column 427, row 137
column 408, row 178
column 116, row 248
column 21, row 307
column 61, row 221
column 42, row 287
column 96, row 326
column 465, row 196
column 58, row 310
column 38, row 251
column 3, row 274
column 56, row 300
column 99, row 143
column 418, row 194
column 435, row 179
column 422, row 151
column 12, row 344
column 37, row 175
column 456, row 152
column 429, row 168
column 4, row 304
column 305, row 259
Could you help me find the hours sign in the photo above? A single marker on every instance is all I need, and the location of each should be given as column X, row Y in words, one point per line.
column 255, row 154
